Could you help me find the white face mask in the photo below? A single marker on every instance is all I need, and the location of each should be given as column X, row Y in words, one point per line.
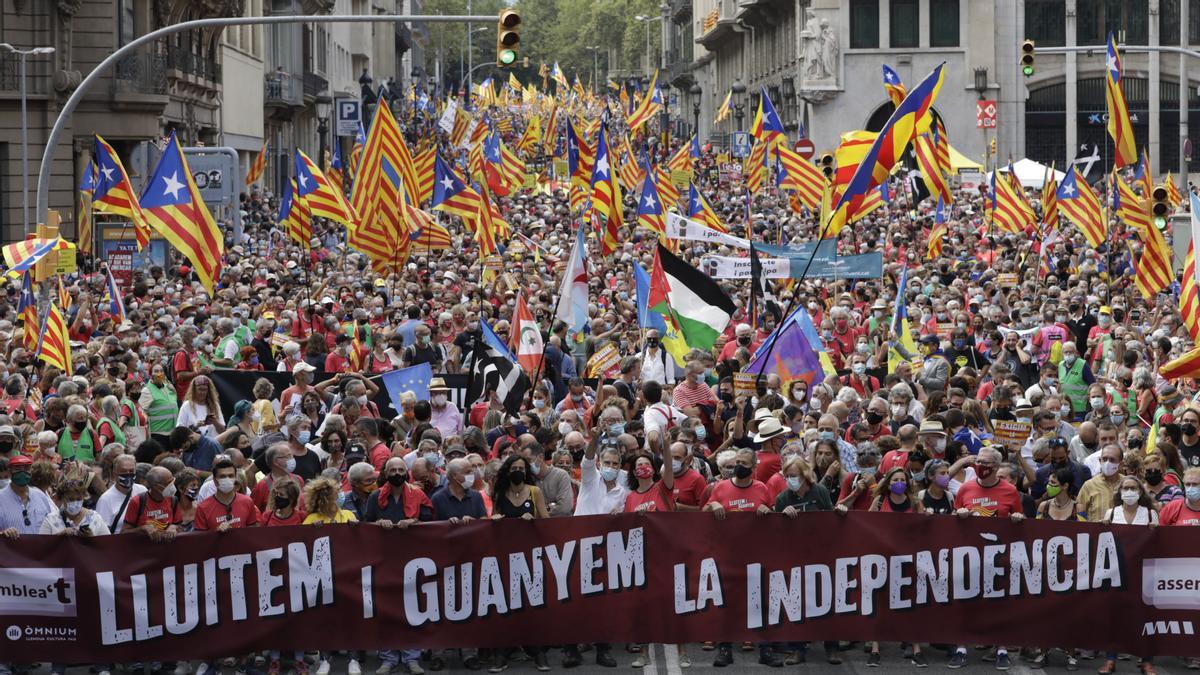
column 225, row 485
column 438, row 399
column 1130, row 497
column 1109, row 468
column 73, row 508
column 467, row 480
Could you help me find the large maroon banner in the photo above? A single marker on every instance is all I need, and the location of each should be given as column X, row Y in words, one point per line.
column 635, row 578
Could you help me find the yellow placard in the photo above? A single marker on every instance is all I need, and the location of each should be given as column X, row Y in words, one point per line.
column 744, row 384
column 561, row 167
column 67, row 262
column 681, row 177
column 1007, row 280
column 604, row 361
column 1013, row 435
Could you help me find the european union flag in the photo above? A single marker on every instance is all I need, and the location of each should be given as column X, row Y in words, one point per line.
column 415, row 379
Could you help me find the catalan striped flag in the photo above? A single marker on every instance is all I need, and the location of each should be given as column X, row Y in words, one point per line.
column 1144, row 175
column 698, row 208
column 20, row 257
column 725, row 109
column 1081, row 206
column 1173, row 195
column 885, row 151
column 294, row 216
column 892, row 85
column 356, row 151
column 83, row 230
column 650, row 208
column 336, row 173
column 801, row 176
column 425, row 232
column 767, row 127
column 531, row 138
column 931, row 171
column 681, row 160
column 493, row 166
column 580, row 158
column 941, row 142
column 1189, row 294
column 550, row 133
column 64, row 298
column 648, row 107
column 934, row 248
column 452, row 195
column 606, row 196
column 173, row 206
column 1018, row 191
column 313, row 187
column 1003, row 206
column 116, row 305
column 54, row 345
column 379, row 194
column 755, row 169
column 668, row 194
column 1154, row 272
column 1049, row 202
column 1119, row 126
column 1128, row 206
column 559, row 77
column 259, row 165
column 424, row 165
column 114, row 193
column 629, row 171
column 512, row 166
column 487, row 226
column 27, row 314
column 460, row 130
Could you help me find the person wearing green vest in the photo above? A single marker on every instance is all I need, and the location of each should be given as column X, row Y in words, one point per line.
column 1074, row 378
column 107, row 429
column 228, row 348
column 243, row 327
column 160, row 403
column 77, row 440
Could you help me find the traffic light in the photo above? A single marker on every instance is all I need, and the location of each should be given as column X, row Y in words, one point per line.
column 827, row 165
column 508, row 38
column 1027, row 48
column 992, row 147
column 1160, row 206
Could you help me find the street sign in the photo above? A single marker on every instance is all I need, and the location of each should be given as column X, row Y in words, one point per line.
column 805, row 147
column 349, row 113
column 215, row 171
column 985, row 114
column 741, row 144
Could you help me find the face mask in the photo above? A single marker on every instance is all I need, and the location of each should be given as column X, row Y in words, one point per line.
column 794, row 482
column 1053, row 490
column 290, row 465
column 282, row 502
column 859, row 368
column 1069, row 360
column 942, row 480
column 1051, row 381
column 644, row 471
column 192, row 493
column 940, row 445
column 564, row 428
column 743, row 340
column 304, row 436
column 1097, row 402
column 1192, row 493
column 74, row 507
column 126, row 480
column 1065, row 411
column 898, row 488
column 577, row 397
column 1130, row 497
column 396, row 479
column 467, row 480
column 433, row 459
column 78, row 426
column 918, row 477
column 1154, row 476
column 438, row 399
column 815, row 405
column 652, row 344
column 960, row 344
column 616, row 429
column 701, row 433
column 1135, row 443
column 827, row 436
column 225, row 485
column 539, row 403
column 169, row 491
column 516, row 477
column 1117, row 419
column 609, row 474
column 899, row 411
column 676, row 466
column 985, row 472
column 799, row 394
column 1109, row 468
column 742, row 471
column 535, row 469
column 1188, row 429
column 873, row 417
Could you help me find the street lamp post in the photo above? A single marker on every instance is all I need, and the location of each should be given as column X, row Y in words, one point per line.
column 322, row 106
column 23, row 53
column 471, row 58
column 595, row 50
column 981, row 86
column 739, row 106
column 696, row 91
column 646, row 20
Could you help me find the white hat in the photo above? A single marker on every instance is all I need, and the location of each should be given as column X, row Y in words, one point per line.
column 302, row 367
column 768, row 429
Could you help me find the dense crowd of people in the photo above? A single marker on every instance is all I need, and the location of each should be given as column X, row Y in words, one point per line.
column 134, row 442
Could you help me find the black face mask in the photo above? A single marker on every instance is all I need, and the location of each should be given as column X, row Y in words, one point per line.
column 874, row 417
column 743, row 340
column 396, row 479
column 282, row 502
column 1188, row 429
column 1154, row 476
column 5, row 447
column 516, row 477
column 652, row 342
column 79, row 426
column 741, row 471
column 125, row 480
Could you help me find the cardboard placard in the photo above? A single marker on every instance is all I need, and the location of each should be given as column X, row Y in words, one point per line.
column 744, row 384
column 67, row 262
column 681, row 177
column 1007, row 280
column 530, row 181
column 561, row 168
column 943, row 329
column 1012, row 435
column 605, row 362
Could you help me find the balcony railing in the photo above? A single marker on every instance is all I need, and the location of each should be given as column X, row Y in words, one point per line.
column 37, row 74
column 282, row 89
column 141, row 74
column 183, row 59
column 314, row 84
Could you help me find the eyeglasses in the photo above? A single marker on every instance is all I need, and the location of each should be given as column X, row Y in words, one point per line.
column 25, row 515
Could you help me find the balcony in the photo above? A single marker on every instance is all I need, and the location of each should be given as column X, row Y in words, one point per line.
column 183, row 63
column 681, row 11
column 283, row 90
column 718, row 25
column 37, row 74
column 314, row 84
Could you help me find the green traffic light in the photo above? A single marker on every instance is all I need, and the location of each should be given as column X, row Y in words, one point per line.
column 1027, row 70
column 507, row 57
column 1160, row 223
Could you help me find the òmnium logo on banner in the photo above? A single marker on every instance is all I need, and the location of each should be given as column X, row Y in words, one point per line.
column 1171, row 583
column 37, row 591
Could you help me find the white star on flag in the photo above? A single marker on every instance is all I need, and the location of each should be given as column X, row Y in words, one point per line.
column 1111, row 64
column 303, row 180
column 1068, row 189
column 108, row 173
column 448, row 183
column 602, row 167
column 173, row 185
column 650, row 203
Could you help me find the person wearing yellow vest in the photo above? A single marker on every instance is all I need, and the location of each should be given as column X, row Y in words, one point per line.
column 1074, row 378
column 159, row 401
column 77, row 440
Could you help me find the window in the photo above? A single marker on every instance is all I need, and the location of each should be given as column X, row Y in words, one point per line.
column 905, row 24
column 943, row 23
column 1128, row 20
column 125, row 22
column 1168, row 22
column 864, row 24
column 1194, row 24
column 1045, row 22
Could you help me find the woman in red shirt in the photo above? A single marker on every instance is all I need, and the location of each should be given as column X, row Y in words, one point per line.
column 895, row 494
column 283, row 508
column 650, row 489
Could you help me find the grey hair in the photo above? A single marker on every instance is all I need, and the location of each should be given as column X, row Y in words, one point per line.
column 359, row 471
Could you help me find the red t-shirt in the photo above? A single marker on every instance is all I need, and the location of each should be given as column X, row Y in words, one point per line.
column 379, row 454
column 142, row 509
column 1176, row 512
column 262, row 490
column 182, row 362
column 894, row 459
column 240, row 513
column 769, row 464
column 1001, row 499
column 734, row 498
column 776, row 485
column 689, row 488
column 269, row 519
column 658, row 496
column 336, row 363
column 863, row 501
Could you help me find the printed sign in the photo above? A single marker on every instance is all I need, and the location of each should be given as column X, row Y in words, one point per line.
column 606, row 361
column 744, row 384
column 681, row 177
column 1012, row 435
column 985, row 114
column 741, row 144
column 349, row 115
column 1007, row 280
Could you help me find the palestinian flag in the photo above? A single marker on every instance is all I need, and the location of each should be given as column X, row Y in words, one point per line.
column 689, row 298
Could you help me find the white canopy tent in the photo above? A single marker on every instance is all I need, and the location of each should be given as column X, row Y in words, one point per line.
column 1031, row 174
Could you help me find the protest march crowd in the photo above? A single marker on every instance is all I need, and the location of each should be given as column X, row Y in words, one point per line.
column 1021, row 371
